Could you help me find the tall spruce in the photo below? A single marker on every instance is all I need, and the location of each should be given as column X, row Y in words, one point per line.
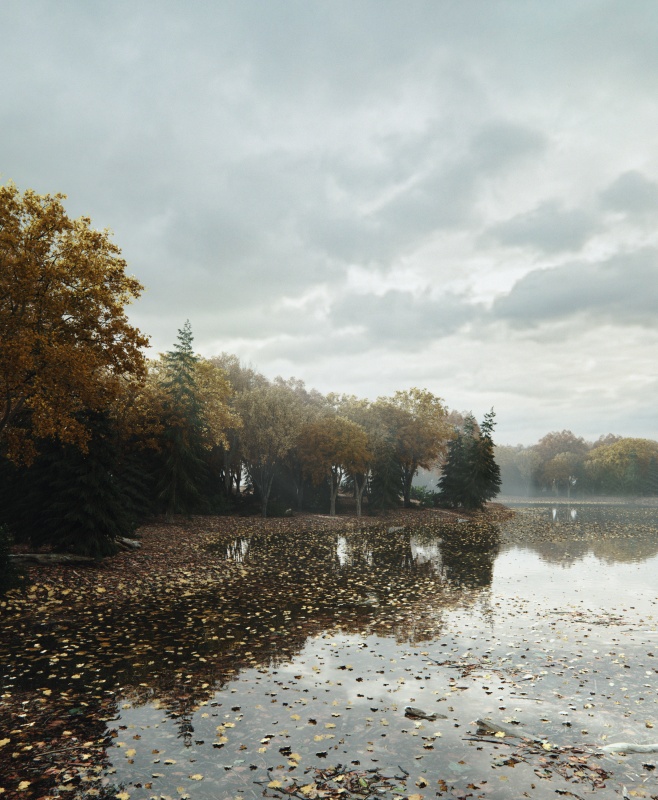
column 182, row 473
column 470, row 475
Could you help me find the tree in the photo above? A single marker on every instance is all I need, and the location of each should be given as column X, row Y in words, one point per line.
column 551, row 445
column 418, row 428
column 182, row 469
column 329, row 448
column 470, row 474
column 76, row 501
column 624, row 466
column 563, row 471
column 66, row 341
column 270, row 426
column 364, row 414
column 241, row 379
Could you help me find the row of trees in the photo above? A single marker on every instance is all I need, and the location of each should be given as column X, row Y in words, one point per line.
column 562, row 463
column 93, row 436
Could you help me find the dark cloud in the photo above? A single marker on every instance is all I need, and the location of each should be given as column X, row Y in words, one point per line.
column 550, row 228
column 631, row 192
column 501, row 144
column 402, row 319
column 622, row 290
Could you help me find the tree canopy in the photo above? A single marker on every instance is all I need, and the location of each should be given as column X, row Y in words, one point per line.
column 66, row 340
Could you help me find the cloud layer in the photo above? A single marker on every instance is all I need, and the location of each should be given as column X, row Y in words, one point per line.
column 368, row 196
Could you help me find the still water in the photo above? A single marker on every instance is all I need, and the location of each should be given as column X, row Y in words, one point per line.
column 547, row 623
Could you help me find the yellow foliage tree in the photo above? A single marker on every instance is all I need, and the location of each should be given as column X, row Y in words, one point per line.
column 65, row 341
column 623, row 465
column 419, row 429
column 331, row 446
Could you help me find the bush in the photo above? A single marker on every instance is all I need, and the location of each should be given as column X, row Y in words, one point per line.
column 426, row 497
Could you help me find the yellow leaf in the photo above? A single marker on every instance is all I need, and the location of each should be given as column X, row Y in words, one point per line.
column 130, row 753
column 123, row 796
column 415, row 796
column 274, row 785
column 196, row 777
column 22, row 786
column 295, row 716
column 329, row 725
column 3, row 742
column 547, row 746
column 499, row 734
column 308, row 789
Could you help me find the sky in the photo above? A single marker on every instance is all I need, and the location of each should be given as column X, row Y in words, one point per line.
column 460, row 196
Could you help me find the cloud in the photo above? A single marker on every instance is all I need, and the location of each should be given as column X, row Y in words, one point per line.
column 501, row 144
column 401, row 319
column 632, row 193
column 622, row 290
column 549, row 228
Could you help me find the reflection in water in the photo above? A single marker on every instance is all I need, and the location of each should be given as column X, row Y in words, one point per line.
column 564, row 514
column 175, row 655
column 567, row 533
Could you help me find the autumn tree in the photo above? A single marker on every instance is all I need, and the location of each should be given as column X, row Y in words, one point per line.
column 418, row 429
column 329, row 448
column 552, row 445
column 625, row 466
column 270, row 425
column 362, row 413
column 66, row 341
column 241, row 379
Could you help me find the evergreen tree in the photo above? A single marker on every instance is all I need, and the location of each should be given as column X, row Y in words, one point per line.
column 386, row 479
column 73, row 500
column 470, row 475
column 182, row 473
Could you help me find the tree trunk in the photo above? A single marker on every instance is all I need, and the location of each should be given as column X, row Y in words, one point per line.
column 407, row 477
column 358, row 493
column 334, row 485
column 266, row 488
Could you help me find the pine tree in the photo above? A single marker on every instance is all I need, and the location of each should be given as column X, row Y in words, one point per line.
column 182, row 472
column 470, row 475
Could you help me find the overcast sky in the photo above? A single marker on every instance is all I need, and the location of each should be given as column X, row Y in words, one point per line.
column 371, row 195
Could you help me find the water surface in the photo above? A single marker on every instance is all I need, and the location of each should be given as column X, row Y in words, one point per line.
column 548, row 621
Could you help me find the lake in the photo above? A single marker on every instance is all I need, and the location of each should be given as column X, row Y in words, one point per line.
column 546, row 624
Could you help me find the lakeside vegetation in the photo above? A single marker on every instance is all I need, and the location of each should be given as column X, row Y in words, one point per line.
column 95, row 438
column 563, row 464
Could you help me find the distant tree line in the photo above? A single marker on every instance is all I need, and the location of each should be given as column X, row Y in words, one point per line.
column 564, row 464
column 94, row 437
